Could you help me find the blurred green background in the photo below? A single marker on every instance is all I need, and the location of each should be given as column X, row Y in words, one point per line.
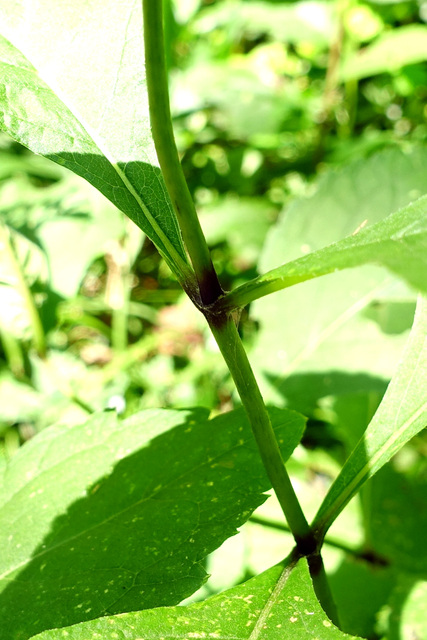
column 295, row 121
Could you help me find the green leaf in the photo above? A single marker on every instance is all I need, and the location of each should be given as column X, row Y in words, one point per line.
column 279, row 603
column 398, row 519
column 359, row 590
column 400, row 416
column 404, row 617
column 399, row 242
column 72, row 89
column 108, row 517
column 328, row 325
column 391, row 51
column 57, row 219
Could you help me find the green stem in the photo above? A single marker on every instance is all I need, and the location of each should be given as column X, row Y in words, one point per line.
column 167, row 153
column 228, row 340
column 335, row 544
column 39, row 341
column 321, row 587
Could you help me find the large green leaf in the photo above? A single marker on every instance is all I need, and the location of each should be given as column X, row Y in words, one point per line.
column 400, row 416
column 109, row 517
column 280, row 603
column 398, row 519
column 389, row 52
column 72, row 88
column 399, row 242
column 334, row 324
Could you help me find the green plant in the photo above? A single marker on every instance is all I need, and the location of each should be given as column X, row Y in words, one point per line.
column 108, row 520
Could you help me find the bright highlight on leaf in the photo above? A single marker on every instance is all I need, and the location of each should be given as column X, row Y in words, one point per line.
column 279, row 603
column 81, row 101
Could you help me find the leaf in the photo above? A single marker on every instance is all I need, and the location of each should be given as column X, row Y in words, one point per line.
column 398, row 519
column 399, row 242
column 19, row 402
column 328, row 326
column 404, row 617
column 58, row 219
column 401, row 415
column 279, row 603
column 359, row 590
column 390, row 52
column 72, row 89
column 107, row 517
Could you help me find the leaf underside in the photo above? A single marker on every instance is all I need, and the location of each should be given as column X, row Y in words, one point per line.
column 72, row 89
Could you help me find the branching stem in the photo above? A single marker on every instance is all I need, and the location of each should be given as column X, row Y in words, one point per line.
column 221, row 323
column 167, row 153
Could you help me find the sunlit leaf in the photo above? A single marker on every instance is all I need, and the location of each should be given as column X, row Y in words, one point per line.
column 72, row 88
column 112, row 516
column 399, row 242
column 334, row 325
column 277, row 604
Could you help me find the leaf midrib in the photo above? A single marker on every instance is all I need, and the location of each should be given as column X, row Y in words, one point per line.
column 62, row 97
column 272, row 600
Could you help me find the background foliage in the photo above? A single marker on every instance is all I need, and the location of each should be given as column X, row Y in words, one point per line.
column 281, row 109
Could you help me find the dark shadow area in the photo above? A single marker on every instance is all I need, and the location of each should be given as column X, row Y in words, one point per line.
column 302, row 391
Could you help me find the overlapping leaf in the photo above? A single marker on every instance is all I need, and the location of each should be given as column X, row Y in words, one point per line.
column 109, row 517
column 399, row 242
column 333, row 326
column 400, row 416
column 279, row 603
column 72, row 88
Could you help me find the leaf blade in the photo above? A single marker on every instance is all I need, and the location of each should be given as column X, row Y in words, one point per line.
column 91, row 118
column 276, row 604
column 399, row 242
column 401, row 415
column 108, row 517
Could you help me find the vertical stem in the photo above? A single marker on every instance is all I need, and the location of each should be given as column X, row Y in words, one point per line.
column 167, row 153
column 228, row 339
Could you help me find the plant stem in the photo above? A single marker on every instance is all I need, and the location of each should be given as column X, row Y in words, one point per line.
column 336, row 544
column 321, row 586
column 167, row 153
column 231, row 347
